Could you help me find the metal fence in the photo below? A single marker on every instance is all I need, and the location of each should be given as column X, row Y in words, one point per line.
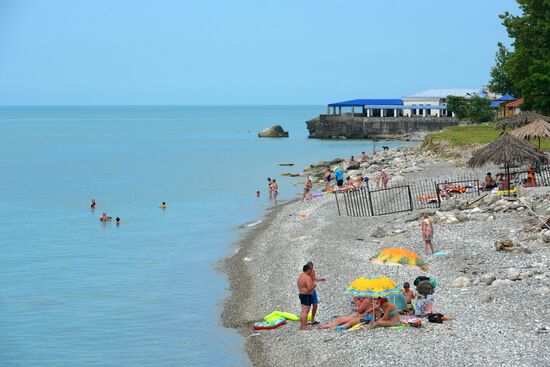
column 421, row 194
column 363, row 202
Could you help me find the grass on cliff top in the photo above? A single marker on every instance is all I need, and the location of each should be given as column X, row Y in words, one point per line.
column 475, row 134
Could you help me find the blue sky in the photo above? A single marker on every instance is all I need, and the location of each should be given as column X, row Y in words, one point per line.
column 242, row 51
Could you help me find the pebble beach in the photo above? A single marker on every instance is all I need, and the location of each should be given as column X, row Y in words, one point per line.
column 496, row 294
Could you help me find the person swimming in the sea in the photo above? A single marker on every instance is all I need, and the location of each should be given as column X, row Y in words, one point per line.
column 105, row 218
column 163, row 205
column 117, row 221
column 92, row 204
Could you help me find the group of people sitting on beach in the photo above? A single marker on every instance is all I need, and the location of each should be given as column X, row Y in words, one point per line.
column 503, row 182
column 382, row 312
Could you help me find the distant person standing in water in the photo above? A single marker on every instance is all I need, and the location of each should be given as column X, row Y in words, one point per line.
column 163, row 205
column 270, row 187
column 117, row 221
column 257, row 194
column 427, row 233
column 275, row 188
column 92, row 204
column 104, row 217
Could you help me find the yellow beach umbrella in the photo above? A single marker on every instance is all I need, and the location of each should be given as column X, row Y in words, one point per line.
column 377, row 286
column 399, row 256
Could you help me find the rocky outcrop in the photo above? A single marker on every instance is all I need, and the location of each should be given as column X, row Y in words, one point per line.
column 276, row 131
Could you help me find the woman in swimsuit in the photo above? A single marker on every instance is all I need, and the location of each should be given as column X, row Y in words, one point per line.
column 362, row 307
column 427, row 233
column 389, row 318
column 275, row 188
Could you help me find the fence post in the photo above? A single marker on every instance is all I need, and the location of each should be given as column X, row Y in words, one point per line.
column 410, row 198
column 370, row 203
column 437, row 194
column 337, row 205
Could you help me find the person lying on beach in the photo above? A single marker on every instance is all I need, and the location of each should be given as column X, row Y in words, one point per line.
column 362, row 307
column 389, row 318
column 104, row 217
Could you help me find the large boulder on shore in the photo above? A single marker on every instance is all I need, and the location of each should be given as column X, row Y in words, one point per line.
column 276, row 131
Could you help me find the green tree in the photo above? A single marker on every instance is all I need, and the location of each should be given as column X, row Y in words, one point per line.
column 528, row 65
column 479, row 109
column 501, row 82
column 458, row 105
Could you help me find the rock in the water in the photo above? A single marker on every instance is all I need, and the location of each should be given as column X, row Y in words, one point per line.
column 461, row 282
column 512, row 274
column 276, row 131
column 488, row 278
column 379, row 233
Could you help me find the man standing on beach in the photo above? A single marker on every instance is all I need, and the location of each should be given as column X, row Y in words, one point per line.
column 305, row 291
column 339, row 174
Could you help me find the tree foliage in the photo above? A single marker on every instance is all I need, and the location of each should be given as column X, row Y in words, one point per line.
column 475, row 109
column 458, row 106
column 501, row 82
column 528, row 66
column 479, row 109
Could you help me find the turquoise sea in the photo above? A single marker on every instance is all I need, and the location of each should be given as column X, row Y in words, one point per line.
column 76, row 292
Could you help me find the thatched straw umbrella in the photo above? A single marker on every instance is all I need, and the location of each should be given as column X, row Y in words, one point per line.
column 537, row 129
column 506, row 150
column 521, row 119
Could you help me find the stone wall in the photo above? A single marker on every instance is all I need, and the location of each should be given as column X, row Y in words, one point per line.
column 360, row 127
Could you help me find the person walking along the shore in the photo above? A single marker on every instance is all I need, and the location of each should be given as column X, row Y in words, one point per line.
column 427, row 233
column 315, row 300
column 305, row 293
column 307, row 189
column 275, row 188
column 327, row 177
column 270, row 187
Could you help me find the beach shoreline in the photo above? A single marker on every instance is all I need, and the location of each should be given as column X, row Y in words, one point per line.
column 262, row 274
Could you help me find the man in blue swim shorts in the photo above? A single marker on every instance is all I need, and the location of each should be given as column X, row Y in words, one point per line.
column 305, row 289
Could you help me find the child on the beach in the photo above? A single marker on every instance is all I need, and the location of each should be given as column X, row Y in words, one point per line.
column 427, row 233
column 408, row 293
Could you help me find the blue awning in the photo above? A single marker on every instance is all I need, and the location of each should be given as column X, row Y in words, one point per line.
column 370, row 102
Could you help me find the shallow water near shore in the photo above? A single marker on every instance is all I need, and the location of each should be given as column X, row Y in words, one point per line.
column 78, row 292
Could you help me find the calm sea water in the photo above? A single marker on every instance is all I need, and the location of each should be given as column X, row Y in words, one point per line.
column 77, row 292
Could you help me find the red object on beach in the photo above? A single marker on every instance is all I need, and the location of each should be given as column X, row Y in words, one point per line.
column 269, row 325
